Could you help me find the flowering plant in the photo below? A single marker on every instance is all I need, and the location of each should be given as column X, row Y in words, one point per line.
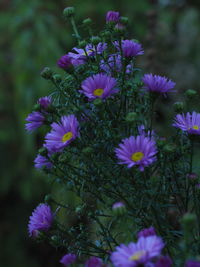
column 102, row 144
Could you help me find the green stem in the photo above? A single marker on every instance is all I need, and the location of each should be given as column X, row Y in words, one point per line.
column 75, row 28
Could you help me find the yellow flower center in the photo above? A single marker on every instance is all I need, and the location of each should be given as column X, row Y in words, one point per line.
column 67, row 137
column 137, row 256
column 195, row 127
column 137, row 156
column 98, row 92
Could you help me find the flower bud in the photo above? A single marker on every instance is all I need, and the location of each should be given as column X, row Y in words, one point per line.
column 169, row 148
column 97, row 102
column 189, row 221
column 119, row 209
column 43, row 151
column 47, row 198
column 190, row 93
column 36, row 107
column 55, row 240
column 95, row 40
column 88, row 150
column 178, row 106
column 131, row 116
column 46, row 73
column 124, row 20
column 87, row 22
column 192, row 177
column 106, row 34
column 112, row 16
column 82, row 44
column 57, row 78
column 119, row 29
column 69, row 12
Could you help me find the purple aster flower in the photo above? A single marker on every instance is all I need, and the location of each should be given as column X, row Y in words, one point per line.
column 64, row 62
column 98, row 86
column 146, row 232
column 94, row 262
column 139, row 150
column 164, row 261
column 68, row 259
column 192, row 263
column 81, row 54
column 112, row 16
column 35, row 120
column 130, row 48
column 45, row 102
column 41, row 161
column 41, row 220
column 62, row 134
column 189, row 123
column 114, row 63
column 117, row 205
column 135, row 254
column 157, row 84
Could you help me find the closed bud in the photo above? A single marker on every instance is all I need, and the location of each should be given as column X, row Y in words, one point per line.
column 36, row 107
column 55, row 240
column 68, row 12
column 95, row 40
column 82, row 44
column 57, row 78
column 119, row 208
column 47, row 198
column 46, row 73
column 124, row 20
column 119, row 29
column 97, row 102
column 106, row 34
column 189, row 221
column 88, row 150
column 63, row 157
column 169, row 148
column 178, row 106
column 190, row 93
column 87, row 22
column 131, row 116
column 43, row 151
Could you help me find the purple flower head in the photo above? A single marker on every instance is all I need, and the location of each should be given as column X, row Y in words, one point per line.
column 130, row 48
column 64, row 62
column 197, row 186
column 68, row 259
column 114, row 63
column 157, row 84
column 41, row 220
column 35, row 120
column 135, row 254
column 146, row 232
column 62, row 133
column 164, row 261
column 45, row 102
column 139, row 150
column 98, row 86
column 118, row 205
column 41, row 161
column 80, row 55
column 94, row 262
column 112, row 16
column 189, row 123
column 192, row 263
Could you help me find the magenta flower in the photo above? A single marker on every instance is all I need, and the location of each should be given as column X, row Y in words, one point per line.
column 45, row 102
column 157, row 84
column 98, row 86
column 112, row 16
column 189, row 123
column 135, row 254
column 35, row 120
column 192, row 263
column 68, row 259
column 64, row 62
column 41, row 161
column 130, row 48
column 139, row 150
column 146, row 232
column 164, row 261
column 41, row 220
column 62, row 133
column 94, row 262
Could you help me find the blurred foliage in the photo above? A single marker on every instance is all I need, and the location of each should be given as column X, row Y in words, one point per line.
column 34, row 35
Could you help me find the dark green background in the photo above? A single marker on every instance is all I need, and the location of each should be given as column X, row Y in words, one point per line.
column 34, row 35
